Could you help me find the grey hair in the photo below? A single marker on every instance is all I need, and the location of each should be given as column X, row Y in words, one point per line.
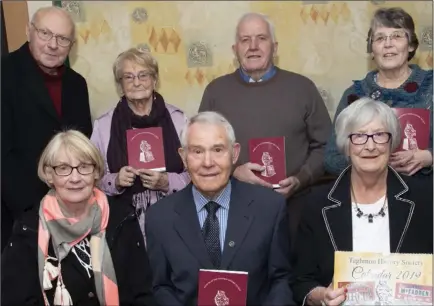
column 360, row 113
column 260, row 16
column 139, row 57
column 49, row 9
column 397, row 18
column 212, row 118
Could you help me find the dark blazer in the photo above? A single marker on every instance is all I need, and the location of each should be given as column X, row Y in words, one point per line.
column 28, row 122
column 256, row 223
column 19, row 263
column 326, row 226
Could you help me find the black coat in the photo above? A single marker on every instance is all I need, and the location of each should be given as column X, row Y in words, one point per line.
column 19, row 263
column 28, row 122
column 326, row 226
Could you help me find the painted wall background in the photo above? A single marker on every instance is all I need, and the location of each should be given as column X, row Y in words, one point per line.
column 324, row 40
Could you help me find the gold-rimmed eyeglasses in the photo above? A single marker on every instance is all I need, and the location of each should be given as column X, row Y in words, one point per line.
column 47, row 35
column 395, row 36
column 142, row 77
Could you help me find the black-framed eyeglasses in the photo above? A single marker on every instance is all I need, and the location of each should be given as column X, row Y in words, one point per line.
column 65, row 170
column 378, row 138
column 142, row 76
column 48, row 35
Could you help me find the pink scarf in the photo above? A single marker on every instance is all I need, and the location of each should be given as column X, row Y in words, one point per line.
column 55, row 223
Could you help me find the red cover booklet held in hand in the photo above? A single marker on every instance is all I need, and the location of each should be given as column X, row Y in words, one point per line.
column 146, row 149
column 270, row 153
column 222, row 288
column 415, row 128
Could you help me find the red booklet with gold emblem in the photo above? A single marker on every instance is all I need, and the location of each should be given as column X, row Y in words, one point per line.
column 221, row 287
column 270, row 153
column 146, row 149
column 415, row 128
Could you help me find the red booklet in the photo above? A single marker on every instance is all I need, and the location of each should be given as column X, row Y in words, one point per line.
column 220, row 287
column 415, row 128
column 269, row 152
column 145, row 149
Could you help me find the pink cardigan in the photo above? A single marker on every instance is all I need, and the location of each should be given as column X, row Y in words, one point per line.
column 101, row 137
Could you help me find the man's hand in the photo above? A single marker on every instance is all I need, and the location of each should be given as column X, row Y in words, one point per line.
column 154, row 180
column 411, row 161
column 288, row 186
column 245, row 173
column 125, row 177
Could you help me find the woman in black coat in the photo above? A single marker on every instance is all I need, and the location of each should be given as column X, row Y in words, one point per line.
column 98, row 242
column 369, row 208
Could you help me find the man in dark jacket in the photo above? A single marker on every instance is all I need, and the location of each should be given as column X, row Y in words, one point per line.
column 40, row 96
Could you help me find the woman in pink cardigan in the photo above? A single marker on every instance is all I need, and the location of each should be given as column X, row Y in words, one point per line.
column 136, row 74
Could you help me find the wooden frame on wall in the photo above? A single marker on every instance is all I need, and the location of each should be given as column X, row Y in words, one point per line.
column 16, row 18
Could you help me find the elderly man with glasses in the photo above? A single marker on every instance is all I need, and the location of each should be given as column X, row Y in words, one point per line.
column 40, row 96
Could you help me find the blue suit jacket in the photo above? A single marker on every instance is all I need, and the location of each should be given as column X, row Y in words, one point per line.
column 257, row 226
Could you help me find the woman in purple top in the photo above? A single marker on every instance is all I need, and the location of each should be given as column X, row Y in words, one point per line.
column 136, row 74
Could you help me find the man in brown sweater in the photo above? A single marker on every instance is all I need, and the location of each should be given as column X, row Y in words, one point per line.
column 261, row 100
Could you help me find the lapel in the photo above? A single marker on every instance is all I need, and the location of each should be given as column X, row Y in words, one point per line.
column 188, row 227
column 400, row 210
column 337, row 216
column 34, row 80
column 239, row 221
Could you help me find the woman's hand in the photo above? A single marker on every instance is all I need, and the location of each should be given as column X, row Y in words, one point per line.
column 334, row 297
column 154, row 180
column 411, row 161
column 327, row 296
column 125, row 177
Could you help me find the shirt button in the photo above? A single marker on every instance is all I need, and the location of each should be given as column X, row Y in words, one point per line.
column 90, row 295
column 138, row 244
column 110, row 183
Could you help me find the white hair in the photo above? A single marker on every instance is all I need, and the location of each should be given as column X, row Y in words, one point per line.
column 212, row 118
column 49, row 9
column 260, row 16
column 360, row 113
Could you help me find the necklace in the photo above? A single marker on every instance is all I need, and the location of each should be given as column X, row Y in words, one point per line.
column 360, row 213
column 401, row 79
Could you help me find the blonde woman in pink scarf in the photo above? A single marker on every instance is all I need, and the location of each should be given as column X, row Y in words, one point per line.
column 77, row 247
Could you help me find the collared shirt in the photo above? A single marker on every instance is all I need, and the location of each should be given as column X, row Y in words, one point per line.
column 222, row 213
column 268, row 75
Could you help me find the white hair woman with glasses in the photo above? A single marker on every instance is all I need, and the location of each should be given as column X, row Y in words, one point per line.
column 77, row 247
column 369, row 208
column 392, row 42
column 136, row 75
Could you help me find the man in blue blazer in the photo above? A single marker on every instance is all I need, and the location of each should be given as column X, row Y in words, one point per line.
column 218, row 222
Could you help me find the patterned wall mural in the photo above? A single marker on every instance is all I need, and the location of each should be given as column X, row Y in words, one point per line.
column 324, row 40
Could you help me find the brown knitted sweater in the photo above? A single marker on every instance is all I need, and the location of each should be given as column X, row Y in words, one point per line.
column 287, row 105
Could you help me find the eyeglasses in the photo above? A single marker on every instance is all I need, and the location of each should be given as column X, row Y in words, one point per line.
column 65, row 170
column 378, row 138
column 142, row 77
column 48, row 35
column 395, row 36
